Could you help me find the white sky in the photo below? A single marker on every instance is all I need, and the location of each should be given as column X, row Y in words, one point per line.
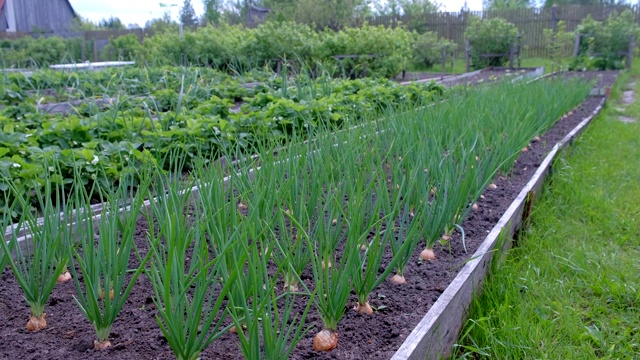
column 139, row 11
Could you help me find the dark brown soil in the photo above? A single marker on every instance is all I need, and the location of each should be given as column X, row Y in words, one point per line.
column 136, row 335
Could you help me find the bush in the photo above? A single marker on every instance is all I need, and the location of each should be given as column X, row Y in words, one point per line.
column 391, row 47
column 123, row 48
column 490, row 36
column 427, row 49
column 235, row 48
column 283, row 40
column 40, row 52
column 603, row 45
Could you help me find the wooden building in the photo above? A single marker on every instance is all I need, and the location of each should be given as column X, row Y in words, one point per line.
column 256, row 15
column 29, row 16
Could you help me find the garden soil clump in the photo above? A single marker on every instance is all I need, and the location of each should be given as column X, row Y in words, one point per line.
column 136, row 335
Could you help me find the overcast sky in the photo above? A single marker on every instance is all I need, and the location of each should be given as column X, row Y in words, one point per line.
column 139, row 11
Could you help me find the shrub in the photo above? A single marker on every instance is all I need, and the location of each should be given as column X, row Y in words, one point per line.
column 602, row 45
column 123, row 48
column 490, row 36
column 283, row 40
column 391, row 47
column 427, row 49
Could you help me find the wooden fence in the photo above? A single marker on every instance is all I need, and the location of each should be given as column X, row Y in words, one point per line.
column 530, row 22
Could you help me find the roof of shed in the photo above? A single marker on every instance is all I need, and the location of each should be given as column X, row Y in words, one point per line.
column 2, row 3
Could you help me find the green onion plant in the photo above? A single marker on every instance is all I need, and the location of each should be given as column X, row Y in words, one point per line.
column 104, row 260
column 39, row 257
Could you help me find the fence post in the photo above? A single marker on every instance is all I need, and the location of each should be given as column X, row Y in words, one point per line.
column 95, row 49
column 554, row 18
column 512, row 54
column 444, row 59
column 467, row 54
column 83, row 45
column 576, row 47
column 632, row 48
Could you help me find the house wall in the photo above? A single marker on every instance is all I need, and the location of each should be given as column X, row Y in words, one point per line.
column 38, row 15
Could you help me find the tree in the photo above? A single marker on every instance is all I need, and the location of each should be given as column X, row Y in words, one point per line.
column 418, row 7
column 410, row 8
column 506, row 4
column 112, row 23
column 212, row 10
column 188, row 15
column 165, row 23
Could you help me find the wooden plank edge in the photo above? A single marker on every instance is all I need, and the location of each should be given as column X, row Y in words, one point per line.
column 439, row 329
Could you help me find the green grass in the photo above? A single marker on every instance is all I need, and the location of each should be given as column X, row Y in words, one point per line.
column 571, row 290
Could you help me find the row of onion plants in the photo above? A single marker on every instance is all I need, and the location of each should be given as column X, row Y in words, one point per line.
column 255, row 245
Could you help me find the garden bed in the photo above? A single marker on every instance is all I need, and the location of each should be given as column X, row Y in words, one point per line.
column 490, row 75
column 135, row 333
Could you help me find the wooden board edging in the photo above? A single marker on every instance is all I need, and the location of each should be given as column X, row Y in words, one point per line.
column 440, row 328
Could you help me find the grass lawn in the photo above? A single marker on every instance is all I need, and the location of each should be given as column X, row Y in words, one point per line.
column 571, row 289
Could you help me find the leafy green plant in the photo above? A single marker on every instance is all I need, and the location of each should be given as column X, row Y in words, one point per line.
column 263, row 331
column 557, row 44
column 104, row 262
column 427, row 49
column 604, row 45
column 188, row 292
column 40, row 257
column 123, row 48
column 494, row 36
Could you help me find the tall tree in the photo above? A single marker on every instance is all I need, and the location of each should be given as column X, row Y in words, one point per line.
column 165, row 23
column 418, row 7
column 212, row 9
column 187, row 14
column 507, row 4
column 405, row 7
column 112, row 23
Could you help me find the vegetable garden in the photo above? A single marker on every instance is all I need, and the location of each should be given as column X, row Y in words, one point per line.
column 291, row 217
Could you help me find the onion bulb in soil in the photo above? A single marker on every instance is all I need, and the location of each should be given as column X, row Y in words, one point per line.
column 64, row 277
column 325, row 340
column 101, row 345
column 427, row 255
column 37, row 323
column 363, row 308
column 290, row 286
column 398, row 279
column 102, row 294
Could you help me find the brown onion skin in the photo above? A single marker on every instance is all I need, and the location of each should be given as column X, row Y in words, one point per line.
column 64, row 277
column 325, row 340
column 398, row 279
column 427, row 255
column 37, row 323
column 364, row 308
column 101, row 345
